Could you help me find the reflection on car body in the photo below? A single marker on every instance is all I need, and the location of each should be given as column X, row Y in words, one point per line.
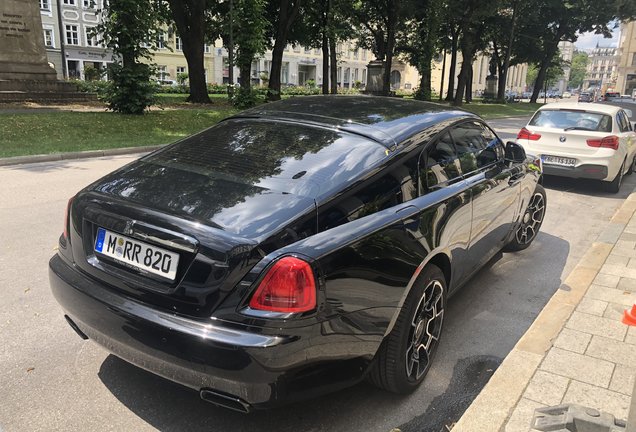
column 318, row 241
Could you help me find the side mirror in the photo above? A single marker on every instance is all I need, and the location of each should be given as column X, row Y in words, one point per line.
column 514, row 152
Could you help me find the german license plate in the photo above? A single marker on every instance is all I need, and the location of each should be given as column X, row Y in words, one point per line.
column 137, row 254
column 558, row 160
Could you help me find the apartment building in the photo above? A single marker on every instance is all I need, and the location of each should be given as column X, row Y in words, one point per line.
column 601, row 71
column 626, row 64
column 70, row 47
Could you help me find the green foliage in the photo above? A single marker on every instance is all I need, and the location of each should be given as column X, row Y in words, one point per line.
column 250, row 28
column 92, row 73
column 245, row 98
column 577, row 69
column 182, row 78
column 98, row 87
column 130, row 91
column 130, row 28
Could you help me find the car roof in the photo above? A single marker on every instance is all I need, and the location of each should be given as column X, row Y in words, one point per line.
column 386, row 120
column 596, row 107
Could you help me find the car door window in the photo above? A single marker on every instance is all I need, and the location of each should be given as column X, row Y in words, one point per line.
column 477, row 146
column 439, row 164
column 623, row 124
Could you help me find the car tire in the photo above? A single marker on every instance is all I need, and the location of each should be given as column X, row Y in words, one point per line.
column 531, row 222
column 615, row 185
column 406, row 354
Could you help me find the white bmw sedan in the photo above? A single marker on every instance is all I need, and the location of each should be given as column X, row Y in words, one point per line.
column 577, row 140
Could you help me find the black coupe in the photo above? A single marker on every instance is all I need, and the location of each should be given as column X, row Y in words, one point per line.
column 294, row 248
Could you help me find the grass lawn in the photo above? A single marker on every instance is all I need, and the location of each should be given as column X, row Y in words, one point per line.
column 48, row 132
column 492, row 111
column 44, row 132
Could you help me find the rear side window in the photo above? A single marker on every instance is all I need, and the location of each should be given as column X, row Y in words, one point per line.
column 623, row 123
column 439, row 163
column 477, row 146
column 572, row 120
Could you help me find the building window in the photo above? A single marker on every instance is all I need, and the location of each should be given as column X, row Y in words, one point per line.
column 162, row 73
column 45, row 5
column 89, row 4
column 364, row 54
column 72, row 35
column 161, row 42
column 49, row 41
column 284, row 73
column 70, row 2
column 206, row 48
column 178, row 43
column 355, row 75
column 364, row 76
column 181, row 70
column 355, row 53
column 91, row 37
column 346, row 76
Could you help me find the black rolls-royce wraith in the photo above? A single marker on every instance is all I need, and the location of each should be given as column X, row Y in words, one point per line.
column 294, row 248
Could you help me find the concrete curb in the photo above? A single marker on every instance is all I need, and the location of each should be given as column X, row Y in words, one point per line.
column 19, row 160
column 495, row 403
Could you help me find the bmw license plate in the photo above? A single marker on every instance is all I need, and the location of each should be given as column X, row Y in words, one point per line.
column 137, row 254
column 558, row 160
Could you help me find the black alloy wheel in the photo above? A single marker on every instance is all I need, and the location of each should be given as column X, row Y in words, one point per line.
column 426, row 328
column 530, row 222
column 615, row 185
column 406, row 354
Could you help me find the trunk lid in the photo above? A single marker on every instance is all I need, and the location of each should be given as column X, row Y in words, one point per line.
column 219, row 228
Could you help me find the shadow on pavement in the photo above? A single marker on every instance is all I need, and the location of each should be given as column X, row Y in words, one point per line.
column 484, row 321
column 589, row 187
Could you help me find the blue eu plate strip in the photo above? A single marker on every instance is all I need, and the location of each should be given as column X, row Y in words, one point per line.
column 99, row 243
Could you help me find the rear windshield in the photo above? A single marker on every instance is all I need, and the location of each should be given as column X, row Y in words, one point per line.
column 572, row 120
column 285, row 157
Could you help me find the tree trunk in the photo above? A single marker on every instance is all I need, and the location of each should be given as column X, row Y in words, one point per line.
column 286, row 16
column 503, row 75
column 325, row 63
column 543, row 70
column 273, row 90
column 189, row 17
column 424, row 91
column 469, row 84
column 390, row 46
column 245, row 72
column 333, row 64
column 450, row 94
column 468, row 52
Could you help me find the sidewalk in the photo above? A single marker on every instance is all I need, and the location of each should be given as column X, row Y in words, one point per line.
column 577, row 350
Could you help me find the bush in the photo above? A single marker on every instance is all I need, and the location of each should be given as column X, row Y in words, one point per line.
column 98, row 87
column 131, row 91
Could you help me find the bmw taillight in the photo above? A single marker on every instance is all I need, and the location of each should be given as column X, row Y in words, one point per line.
column 526, row 134
column 67, row 217
column 288, row 286
column 607, row 142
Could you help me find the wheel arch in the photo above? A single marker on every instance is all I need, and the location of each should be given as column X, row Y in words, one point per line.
column 438, row 258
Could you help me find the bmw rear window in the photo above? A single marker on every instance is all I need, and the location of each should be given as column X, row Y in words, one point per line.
column 572, row 120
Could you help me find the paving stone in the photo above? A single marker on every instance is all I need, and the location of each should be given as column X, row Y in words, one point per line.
column 546, row 388
column 621, row 243
column 606, row 280
column 618, row 260
column 611, row 350
column 521, row 418
column 623, row 380
column 597, row 326
column 573, row 340
column 629, row 236
column 617, row 270
column 592, row 306
column 611, row 295
column 601, row 399
column 627, row 284
column 579, row 367
column 614, row 311
column 612, row 233
column 622, row 251
column 631, row 336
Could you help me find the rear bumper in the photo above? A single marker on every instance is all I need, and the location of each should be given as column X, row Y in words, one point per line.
column 258, row 368
column 596, row 172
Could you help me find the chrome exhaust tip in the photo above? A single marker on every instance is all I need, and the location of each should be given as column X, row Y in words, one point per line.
column 225, row 401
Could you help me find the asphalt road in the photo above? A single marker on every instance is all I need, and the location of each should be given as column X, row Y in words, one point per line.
column 52, row 380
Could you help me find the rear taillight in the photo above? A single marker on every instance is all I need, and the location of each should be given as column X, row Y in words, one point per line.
column 526, row 134
column 67, row 218
column 288, row 286
column 607, row 142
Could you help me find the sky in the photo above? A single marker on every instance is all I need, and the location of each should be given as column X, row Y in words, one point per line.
column 589, row 40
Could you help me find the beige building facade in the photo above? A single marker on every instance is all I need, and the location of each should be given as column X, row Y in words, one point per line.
column 601, row 70
column 626, row 63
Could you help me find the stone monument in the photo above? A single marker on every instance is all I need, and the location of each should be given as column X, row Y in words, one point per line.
column 375, row 71
column 24, row 70
column 491, row 81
